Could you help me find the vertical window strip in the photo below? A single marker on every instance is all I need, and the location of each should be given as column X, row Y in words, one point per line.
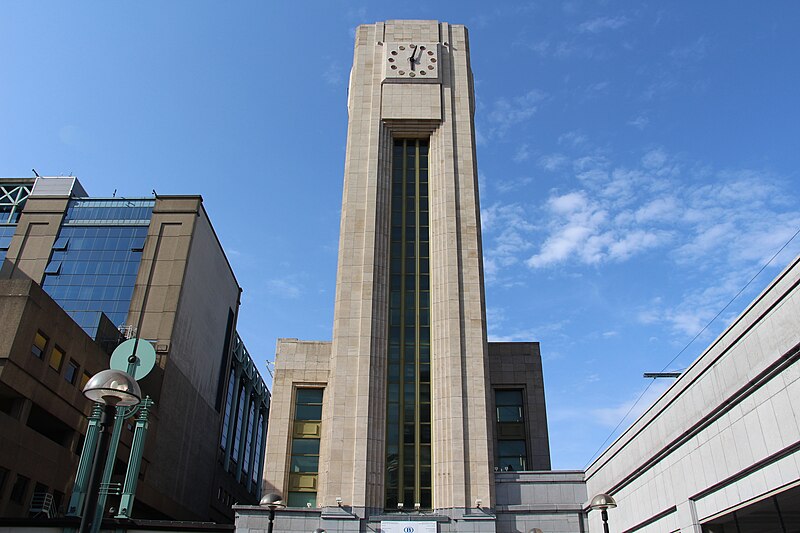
column 304, row 458
column 228, row 404
column 408, row 433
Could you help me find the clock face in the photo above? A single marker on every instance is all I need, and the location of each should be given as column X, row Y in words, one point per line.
column 412, row 61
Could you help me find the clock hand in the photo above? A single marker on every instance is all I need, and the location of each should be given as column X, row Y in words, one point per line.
column 411, row 57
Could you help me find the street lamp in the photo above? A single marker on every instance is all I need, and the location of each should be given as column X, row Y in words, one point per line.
column 272, row 502
column 603, row 502
column 111, row 388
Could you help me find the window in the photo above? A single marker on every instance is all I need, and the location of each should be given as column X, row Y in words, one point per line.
column 304, row 461
column 408, row 396
column 85, row 377
column 223, row 441
column 3, row 476
column 71, row 373
column 510, row 418
column 237, row 427
column 61, row 244
column 56, row 358
column 19, row 490
column 53, row 268
column 39, row 345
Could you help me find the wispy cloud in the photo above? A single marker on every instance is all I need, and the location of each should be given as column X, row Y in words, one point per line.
column 628, row 410
column 333, row 75
column 286, row 287
column 523, row 153
column 640, row 121
column 553, row 162
column 507, row 112
column 620, row 212
column 599, row 24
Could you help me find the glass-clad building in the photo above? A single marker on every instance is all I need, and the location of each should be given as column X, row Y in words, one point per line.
column 95, row 258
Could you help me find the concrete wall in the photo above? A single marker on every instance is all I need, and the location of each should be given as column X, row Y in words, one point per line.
column 727, row 433
column 28, row 384
column 186, row 313
column 29, row 251
column 519, row 365
column 550, row 500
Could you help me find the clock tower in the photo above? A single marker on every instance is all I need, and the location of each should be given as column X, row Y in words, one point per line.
column 397, row 413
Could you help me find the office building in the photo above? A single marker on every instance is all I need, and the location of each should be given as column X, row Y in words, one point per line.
column 408, row 413
column 123, row 267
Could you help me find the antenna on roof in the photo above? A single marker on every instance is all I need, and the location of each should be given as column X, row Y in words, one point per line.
column 114, row 194
column 37, row 174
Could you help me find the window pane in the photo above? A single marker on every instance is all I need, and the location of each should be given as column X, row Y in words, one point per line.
column 39, row 345
column 305, row 447
column 56, row 358
column 303, row 463
column 308, row 412
column 511, row 447
column 72, row 371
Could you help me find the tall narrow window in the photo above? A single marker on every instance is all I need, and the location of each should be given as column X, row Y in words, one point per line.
column 71, row 374
column 237, row 427
column 511, row 446
column 408, row 401
column 56, row 358
column 223, row 440
column 304, row 461
column 39, row 345
column 248, row 439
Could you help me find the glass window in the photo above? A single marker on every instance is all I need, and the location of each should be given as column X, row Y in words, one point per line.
column 302, row 499
column 304, row 461
column 511, row 455
column 509, row 405
column 19, row 490
column 56, row 358
column 71, row 374
column 226, row 419
column 39, row 345
column 408, row 393
column 53, row 267
column 85, row 377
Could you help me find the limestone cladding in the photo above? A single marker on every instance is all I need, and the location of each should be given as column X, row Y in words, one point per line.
column 352, row 454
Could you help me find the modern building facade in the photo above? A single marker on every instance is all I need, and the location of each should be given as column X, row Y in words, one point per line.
column 408, row 414
column 719, row 451
column 123, row 267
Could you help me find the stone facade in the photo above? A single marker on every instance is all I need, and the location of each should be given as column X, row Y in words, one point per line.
column 432, row 100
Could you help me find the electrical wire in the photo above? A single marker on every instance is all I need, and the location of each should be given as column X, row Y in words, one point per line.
column 613, row 431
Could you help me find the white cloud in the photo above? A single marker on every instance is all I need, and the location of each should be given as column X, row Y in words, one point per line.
column 599, row 24
column 629, row 410
column 639, row 121
column 286, row 287
column 552, row 162
column 523, row 153
column 507, row 112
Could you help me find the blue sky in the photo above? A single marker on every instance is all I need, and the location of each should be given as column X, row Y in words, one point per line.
column 638, row 160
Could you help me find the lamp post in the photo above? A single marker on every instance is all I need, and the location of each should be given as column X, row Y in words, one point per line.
column 110, row 388
column 272, row 502
column 603, row 502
